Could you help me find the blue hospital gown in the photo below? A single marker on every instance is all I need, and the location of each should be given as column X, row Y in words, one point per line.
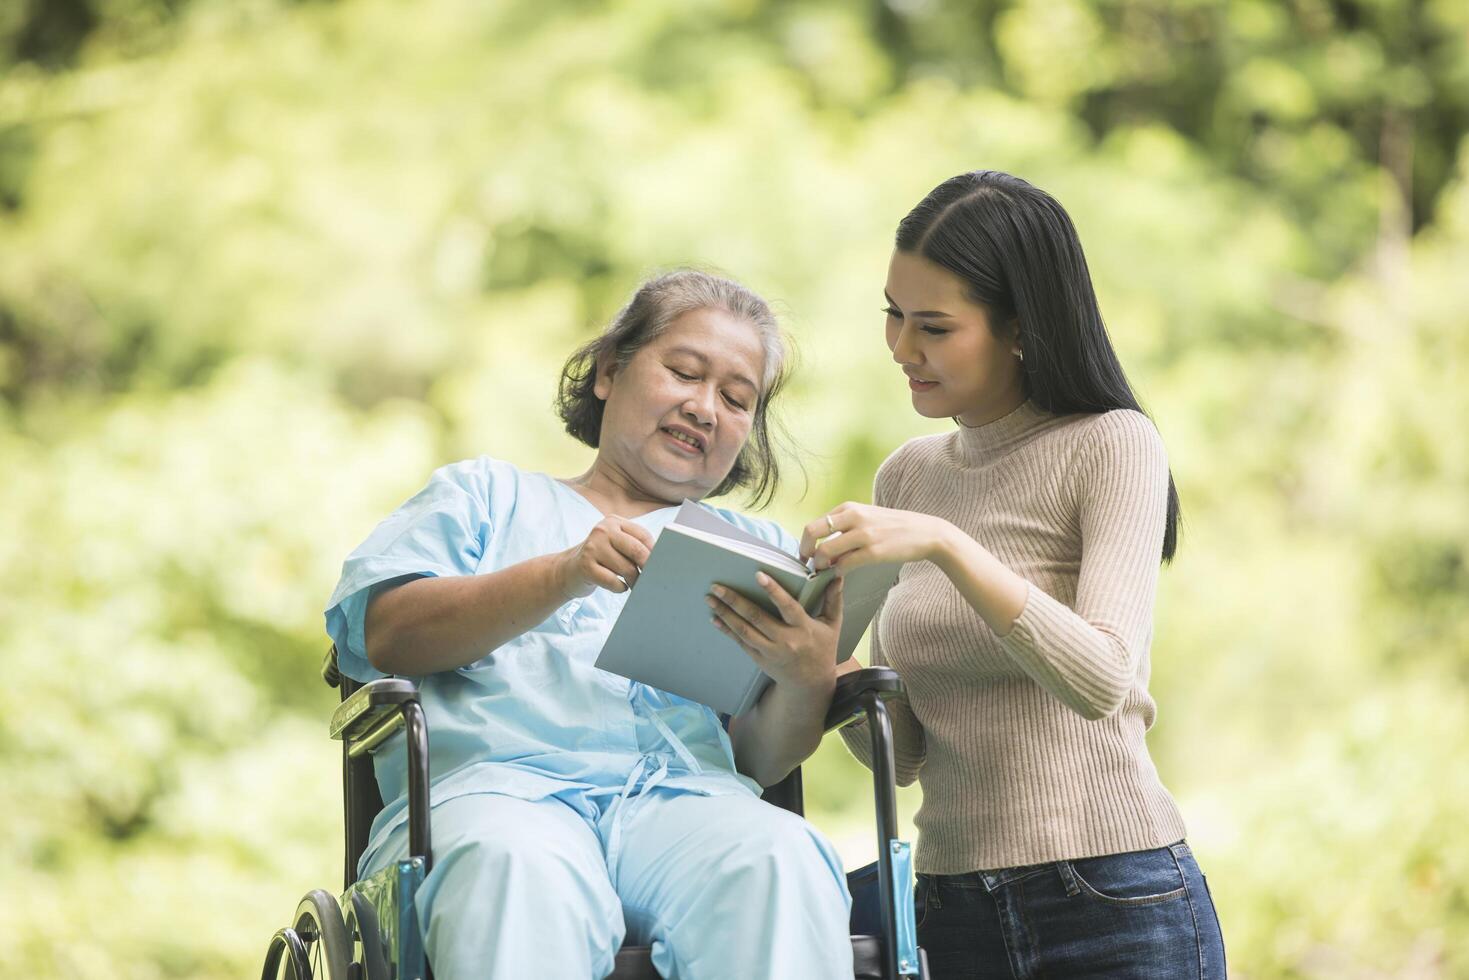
column 533, row 720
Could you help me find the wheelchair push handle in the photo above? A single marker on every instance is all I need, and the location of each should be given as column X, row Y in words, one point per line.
column 848, row 702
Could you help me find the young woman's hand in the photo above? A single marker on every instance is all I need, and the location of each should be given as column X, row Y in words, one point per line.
column 610, row 558
column 794, row 648
column 863, row 534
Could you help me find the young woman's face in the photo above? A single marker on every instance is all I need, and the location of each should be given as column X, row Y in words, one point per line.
column 956, row 365
column 679, row 411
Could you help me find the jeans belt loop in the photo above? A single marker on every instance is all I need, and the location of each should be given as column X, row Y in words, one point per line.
column 1068, row 878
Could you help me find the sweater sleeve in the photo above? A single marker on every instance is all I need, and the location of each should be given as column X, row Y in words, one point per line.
column 909, row 746
column 1089, row 656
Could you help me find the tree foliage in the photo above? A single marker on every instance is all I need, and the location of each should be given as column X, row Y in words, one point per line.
column 264, row 265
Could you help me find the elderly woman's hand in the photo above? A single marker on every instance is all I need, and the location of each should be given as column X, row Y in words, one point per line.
column 794, row 648
column 610, row 558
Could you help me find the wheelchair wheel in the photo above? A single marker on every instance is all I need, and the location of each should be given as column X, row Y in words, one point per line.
column 286, row 959
column 322, row 930
column 366, row 939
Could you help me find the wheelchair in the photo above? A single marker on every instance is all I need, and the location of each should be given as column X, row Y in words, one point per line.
column 372, row 933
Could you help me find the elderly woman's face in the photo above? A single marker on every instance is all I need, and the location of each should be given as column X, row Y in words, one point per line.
column 679, row 411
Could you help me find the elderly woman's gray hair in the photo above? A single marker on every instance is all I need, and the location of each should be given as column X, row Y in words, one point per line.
column 657, row 303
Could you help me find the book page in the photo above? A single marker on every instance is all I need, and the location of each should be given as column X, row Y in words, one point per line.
column 694, row 515
column 758, row 550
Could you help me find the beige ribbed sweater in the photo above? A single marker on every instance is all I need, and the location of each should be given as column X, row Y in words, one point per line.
column 1030, row 746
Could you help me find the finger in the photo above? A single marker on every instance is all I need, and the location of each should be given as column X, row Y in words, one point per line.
column 810, row 534
column 755, row 653
column 834, row 550
column 636, row 531
column 632, row 548
column 816, row 530
column 742, row 611
column 748, row 611
column 790, row 610
column 831, row 606
column 607, row 579
column 736, row 624
column 614, row 562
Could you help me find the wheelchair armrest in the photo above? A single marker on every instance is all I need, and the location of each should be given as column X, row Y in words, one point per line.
column 364, row 721
column 846, row 700
column 372, row 713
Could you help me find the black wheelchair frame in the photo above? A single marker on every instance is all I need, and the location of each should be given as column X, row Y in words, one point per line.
column 367, row 936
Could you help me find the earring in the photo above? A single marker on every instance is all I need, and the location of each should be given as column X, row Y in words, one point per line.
column 1020, row 354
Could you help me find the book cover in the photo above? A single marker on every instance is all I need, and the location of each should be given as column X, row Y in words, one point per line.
column 664, row 638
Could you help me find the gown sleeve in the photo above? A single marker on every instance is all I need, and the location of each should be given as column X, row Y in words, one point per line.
column 442, row 530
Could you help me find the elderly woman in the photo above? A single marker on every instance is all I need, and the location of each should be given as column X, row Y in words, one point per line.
column 571, row 807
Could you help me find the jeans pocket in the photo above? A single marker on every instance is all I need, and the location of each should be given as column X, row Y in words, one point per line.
column 1211, row 931
column 1131, row 879
column 925, row 885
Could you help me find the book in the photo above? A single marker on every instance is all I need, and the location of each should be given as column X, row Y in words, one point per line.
column 664, row 637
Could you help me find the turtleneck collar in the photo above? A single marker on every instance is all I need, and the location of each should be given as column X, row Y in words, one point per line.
column 996, row 438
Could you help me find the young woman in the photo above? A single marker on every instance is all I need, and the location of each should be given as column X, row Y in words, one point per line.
column 1021, row 623
column 572, row 807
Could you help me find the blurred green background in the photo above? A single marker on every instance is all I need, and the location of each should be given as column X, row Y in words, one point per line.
column 264, row 265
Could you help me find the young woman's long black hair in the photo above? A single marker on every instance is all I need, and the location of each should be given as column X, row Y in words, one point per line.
column 1017, row 251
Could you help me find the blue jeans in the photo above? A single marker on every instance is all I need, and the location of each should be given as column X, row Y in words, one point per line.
column 1142, row 914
